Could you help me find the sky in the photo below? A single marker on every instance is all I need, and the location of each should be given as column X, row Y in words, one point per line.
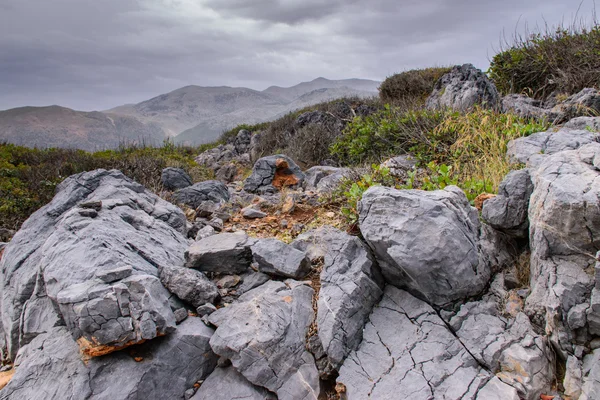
column 98, row 54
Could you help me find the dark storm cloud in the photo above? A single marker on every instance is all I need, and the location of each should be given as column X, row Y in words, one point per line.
column 91, row 54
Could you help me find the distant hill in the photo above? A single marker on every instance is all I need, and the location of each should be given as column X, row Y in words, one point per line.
column 56, row 126
column 190, row 115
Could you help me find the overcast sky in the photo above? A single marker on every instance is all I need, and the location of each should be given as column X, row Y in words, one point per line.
column 97, row 54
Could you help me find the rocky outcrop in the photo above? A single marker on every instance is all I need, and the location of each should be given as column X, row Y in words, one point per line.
column 189, row 285
column 272, row 173
column 462, row 88
column 50, row 368
column 507, row 212
column 193, row 196
column 425, row 242
column 277, row 258
column 263, row 335
column 408, row 352
column 175, row 178
column 223, row 253
column 527, row 107
column 98, row 221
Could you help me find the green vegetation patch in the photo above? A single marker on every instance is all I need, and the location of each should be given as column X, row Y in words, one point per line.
column 410, row 86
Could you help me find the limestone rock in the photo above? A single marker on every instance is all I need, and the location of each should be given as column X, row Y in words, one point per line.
column 223, row 253
column 277, row 258
column 528, row 107
column 189, row 285
column 175, row 178
column 272, row 173
column 226, row 384
column 507, row 212
column 263, row 335
column 462, row 88
column 425, row 242
column 194, row 195
column 315, row 174
column 58, row 247
column 241, row 143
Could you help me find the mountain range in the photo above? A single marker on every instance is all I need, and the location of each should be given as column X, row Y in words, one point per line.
column 190, row 115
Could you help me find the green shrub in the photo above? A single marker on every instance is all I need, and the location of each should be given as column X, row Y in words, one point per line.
column 410, row 86
column 563, row 60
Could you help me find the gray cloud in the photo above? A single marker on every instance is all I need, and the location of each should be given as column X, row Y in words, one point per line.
column 90, row 54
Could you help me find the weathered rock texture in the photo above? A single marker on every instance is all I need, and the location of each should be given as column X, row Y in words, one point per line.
column 277, row 258
column 425, row 242
column 98, row 221
column 195, row 195
column 228, row 384
column 175, row 178
column 224, row 253
column 263, row 335
column 189, row 285
column 462, row 88
column 272, row 173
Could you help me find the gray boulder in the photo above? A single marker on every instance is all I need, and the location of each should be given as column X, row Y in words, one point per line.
column 98, row 221
column 314, row 175
column 251, row 212
column 277, row 258
column 241, row 143
column 194, row 195
column 175, row 178
column 105, row 318
column 564, row 216
column 50, row 368
column 272, row 173
column 351, row 284
column 508, row 348
column 425, row 242
column 462, row 88
column 587, row 123
column 224, row 253
column 531, row 150
column 527, row 107
column 226, row 384
column 507, row 212
column 264, row 334
column 407, row 352
column 189, row 285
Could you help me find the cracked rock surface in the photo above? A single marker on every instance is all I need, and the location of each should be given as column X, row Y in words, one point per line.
column 189, row 285
column 425, row 242
column 408, row 352
column 50, row 368
column 277, row 258
column 98, row 221
column 263, row 334
column 224, row 253
column 227, row 384
column 200, row 192
column 175, row 178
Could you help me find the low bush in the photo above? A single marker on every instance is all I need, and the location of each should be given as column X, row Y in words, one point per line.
column 412, row 86
column 563, row 60
column 28, row 177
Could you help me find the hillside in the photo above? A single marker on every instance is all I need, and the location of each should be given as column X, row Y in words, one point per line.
column 56, row 126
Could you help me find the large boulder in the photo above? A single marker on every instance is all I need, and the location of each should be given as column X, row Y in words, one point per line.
column 193, row 196
column 462, row 88
column 351, row 284
column 98, row 221
column 272, row 173
column 531, row 150
column 408, row 353
column 264, row 334
column 226, row 384
column 564, row 215
column 425, row 242
column 223, row 253
column 189, row 285
column 507, row 212
column 277, row 258
column 50, row 368
column 175, row 178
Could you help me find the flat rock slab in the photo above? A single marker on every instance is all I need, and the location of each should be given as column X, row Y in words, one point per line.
column 50, row 368
column 277, row 258
column 228, row 253
column 189, row 285
column 98, row 222
column 425, row 242
column 227, row 384
column 198, row 193
column 264, row 334
column 408, row 353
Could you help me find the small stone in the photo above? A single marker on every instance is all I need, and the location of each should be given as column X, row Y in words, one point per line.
column 205, row 309
column 88, row 213
column 297, row 229
column 283, row 224
column 228, row 281
column 205, row 232
column 189, row 394
column 180, row 315
column 289, row 205
column 252, row 213
column 216, row 223
column 330, row 214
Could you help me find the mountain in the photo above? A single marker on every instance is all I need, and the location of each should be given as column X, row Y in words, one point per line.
column 190, row 115
column 56, row 126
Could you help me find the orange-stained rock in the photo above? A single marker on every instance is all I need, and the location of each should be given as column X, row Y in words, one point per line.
column 90, row 349
column 481, row 198
column 284, row 175
column 6, row 376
